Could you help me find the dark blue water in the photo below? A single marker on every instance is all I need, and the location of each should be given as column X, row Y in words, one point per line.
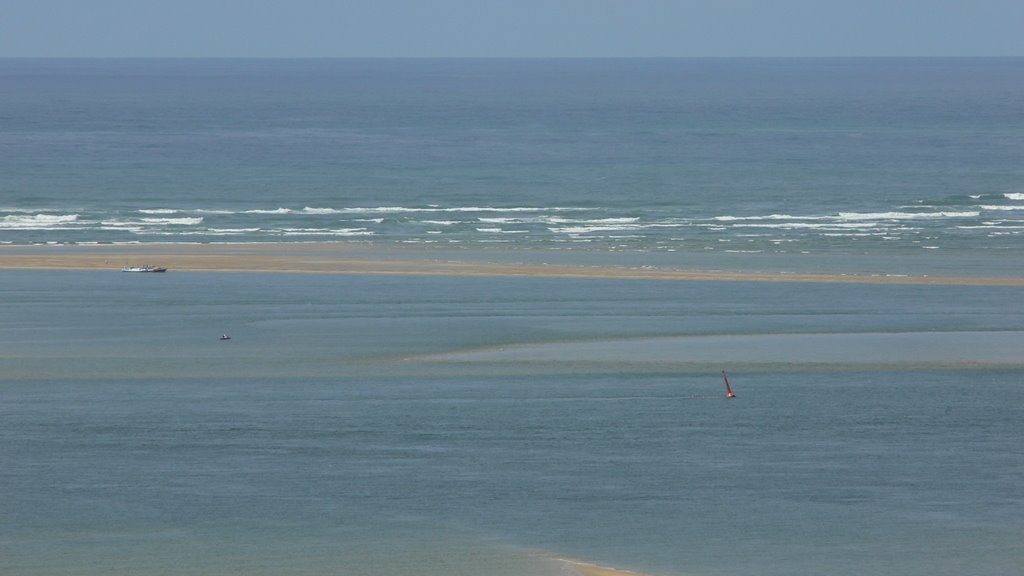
column 834, row 156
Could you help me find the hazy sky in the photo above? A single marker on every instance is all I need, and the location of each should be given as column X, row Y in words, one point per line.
column 516, row 28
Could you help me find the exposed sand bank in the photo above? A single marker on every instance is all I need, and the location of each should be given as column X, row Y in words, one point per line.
column 331, row 259
column 593, row 570
column 599, row 571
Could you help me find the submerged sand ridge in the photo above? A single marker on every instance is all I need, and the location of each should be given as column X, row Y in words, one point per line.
column 589, row 570
column 326, row 259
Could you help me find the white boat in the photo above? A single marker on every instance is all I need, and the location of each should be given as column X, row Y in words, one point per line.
column 146, row 268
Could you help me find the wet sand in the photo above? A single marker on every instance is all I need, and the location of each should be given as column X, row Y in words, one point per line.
column 334, row 259
column 593, row 570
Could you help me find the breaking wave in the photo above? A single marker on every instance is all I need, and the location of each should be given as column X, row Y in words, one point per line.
column 664, row 228
column 174, row 221
column 38, row 221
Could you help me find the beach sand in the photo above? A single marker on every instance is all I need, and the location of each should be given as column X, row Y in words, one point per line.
column 599, row 571
column 360, row 259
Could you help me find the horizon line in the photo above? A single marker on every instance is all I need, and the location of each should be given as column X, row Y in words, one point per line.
column 595, row 57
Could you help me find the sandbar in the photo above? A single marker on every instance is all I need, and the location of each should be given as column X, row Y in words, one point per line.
column 331, row 259
column 586, row 569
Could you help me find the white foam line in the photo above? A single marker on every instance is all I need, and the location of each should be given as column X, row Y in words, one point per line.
column 997, row 208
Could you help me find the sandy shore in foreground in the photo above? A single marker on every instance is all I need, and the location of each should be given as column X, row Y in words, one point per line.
column 327, row 259
column 588, row 570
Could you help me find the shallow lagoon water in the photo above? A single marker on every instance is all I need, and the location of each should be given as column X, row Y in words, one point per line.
column 326, row 437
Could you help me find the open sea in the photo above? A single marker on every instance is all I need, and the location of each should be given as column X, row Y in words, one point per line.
column 446, row 426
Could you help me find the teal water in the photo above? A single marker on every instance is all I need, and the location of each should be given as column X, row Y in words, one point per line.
column 335, row 433
column 851, row 157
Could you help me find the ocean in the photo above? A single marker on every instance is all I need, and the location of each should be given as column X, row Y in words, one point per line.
column 792, row 156
column 493, row 426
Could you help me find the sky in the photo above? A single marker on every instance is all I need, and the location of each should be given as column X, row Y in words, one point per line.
column 510, row 28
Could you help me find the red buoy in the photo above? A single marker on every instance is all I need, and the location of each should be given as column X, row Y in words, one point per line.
column 728, row 389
